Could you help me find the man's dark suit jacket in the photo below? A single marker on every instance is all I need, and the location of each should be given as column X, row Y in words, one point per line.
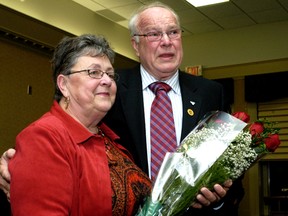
column 126, row 117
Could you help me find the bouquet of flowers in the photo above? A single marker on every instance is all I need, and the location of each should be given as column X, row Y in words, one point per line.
column 220, row 147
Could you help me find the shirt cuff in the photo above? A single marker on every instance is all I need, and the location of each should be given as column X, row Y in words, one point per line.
column 218, row 207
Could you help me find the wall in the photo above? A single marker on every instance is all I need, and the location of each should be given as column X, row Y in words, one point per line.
column 21, row 67
column 238, row 46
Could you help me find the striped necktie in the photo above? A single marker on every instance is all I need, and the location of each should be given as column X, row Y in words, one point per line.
column 162, row 128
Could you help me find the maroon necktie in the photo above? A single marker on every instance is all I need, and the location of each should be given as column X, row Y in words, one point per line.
column 162, row 128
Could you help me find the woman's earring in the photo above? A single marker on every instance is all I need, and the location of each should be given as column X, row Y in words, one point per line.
column 67, row 101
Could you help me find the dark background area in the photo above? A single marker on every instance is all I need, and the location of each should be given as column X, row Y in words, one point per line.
column 259, row 88
column 266, row 87
column 4, row 205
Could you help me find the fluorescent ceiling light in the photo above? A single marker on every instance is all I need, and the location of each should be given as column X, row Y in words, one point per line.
column 199, row 3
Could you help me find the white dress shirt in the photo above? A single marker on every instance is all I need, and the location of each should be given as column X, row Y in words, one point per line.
column 148, row 97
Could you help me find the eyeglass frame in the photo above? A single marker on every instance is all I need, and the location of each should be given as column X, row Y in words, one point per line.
column 160, row 35
column 114, row 78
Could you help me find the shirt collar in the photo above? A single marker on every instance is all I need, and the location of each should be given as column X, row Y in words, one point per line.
column 79, row 133
column 147, row 79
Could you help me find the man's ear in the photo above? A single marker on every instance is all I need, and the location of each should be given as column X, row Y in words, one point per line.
column 135, row 45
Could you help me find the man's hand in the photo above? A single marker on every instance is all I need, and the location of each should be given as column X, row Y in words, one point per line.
column 4, row 172
column 207, row 197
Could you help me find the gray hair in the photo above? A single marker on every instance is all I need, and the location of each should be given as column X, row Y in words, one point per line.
column 134, row 20
column 70, row 49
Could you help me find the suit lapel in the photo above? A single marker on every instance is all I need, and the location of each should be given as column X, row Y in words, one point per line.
column 191, row 105
column 130, row 91
column 133, row 108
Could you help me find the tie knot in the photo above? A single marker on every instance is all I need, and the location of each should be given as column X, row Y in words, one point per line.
column 156, row 86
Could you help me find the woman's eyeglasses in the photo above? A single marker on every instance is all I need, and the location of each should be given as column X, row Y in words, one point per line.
column 98, row 74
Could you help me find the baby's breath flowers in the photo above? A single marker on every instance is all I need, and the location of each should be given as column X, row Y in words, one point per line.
column 221, row 147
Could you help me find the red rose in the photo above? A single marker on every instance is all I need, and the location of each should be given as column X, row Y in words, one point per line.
column 256, row 129
column 272, row 142
column 242, row 116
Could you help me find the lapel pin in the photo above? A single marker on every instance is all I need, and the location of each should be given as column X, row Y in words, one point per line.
column 192, row 102
column 190, row 112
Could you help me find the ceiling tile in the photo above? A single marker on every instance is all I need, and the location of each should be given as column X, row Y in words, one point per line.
column 232, row 22
column 177, row 5
column 109, row 14
column 256, row 5
column 284, row 3
column 201, row 27
column 127, row 10
column 270, row 15
column 93, row 6
column 220, row 10
column 228, row 15
column 191, row 15
column 113, row 3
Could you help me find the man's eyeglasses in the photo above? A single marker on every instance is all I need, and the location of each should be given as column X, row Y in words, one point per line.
column 157, row 36
column 97, row 74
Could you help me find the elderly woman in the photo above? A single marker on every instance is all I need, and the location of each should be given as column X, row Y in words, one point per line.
column 78, row 167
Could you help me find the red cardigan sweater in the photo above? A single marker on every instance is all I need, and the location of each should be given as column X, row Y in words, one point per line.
column 60, row 168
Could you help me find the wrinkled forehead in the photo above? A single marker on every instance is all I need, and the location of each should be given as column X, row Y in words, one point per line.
column 157, row 18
